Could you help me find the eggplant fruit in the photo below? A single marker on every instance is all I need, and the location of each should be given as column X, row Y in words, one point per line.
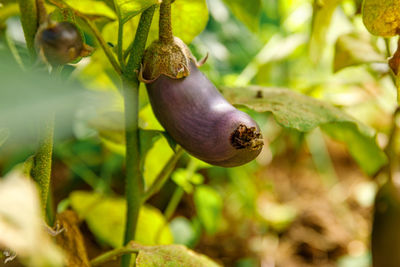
column 202, row 121
column 59, row 42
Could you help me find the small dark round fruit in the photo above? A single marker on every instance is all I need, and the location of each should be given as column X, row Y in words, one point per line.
column 199, row 119
column 59, row 43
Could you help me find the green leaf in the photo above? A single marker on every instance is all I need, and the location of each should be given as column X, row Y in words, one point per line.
column 302, row 113
column 209, row 207
column 156, row 159
column 323, row 13
column 127, row 9
column 186, row 179
column 29, row 21
column 8, row 11
column 247, row 11
column 105, row 217
column 189, row 18
column 382, row 17
column 354, row 49
column 90, row 7
column 171, row 256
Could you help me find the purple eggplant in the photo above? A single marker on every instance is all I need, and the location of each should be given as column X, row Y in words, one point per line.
column 199, row 119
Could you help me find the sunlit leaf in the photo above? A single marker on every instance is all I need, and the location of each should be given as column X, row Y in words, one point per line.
column 8, row 11
column 189, row 18
column 156, row 159
column 126, row 9
column 247, row 11
column 186, row 179
column 152, row 227
column 170, row 255
column 353, row 49
column 303, row 113
column 382, row 17
column 209, row 207
column 323, row 12
column 90, row 7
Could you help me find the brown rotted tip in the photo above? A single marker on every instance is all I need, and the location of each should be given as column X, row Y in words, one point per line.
column 247, row 137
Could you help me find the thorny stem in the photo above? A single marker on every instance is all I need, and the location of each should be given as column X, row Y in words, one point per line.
column 163, row 175
column 110, row 255
column 41, row 12
column 165, row 25
column 121, row 58
column 41, row 171
column 134, row 179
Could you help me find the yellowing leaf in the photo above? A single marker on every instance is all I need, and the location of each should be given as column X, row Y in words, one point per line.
column 90, row 7
column 105, row 217
column 170, row 255
column 382, row 17
column 321, row 23
column 247, row 11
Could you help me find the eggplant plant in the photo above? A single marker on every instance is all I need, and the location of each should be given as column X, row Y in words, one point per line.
column 196, row 120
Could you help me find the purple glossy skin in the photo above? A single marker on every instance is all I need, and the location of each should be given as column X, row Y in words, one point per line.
column 199, row 118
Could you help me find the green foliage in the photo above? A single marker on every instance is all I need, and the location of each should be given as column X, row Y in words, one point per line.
column 209, row 207
column 382, row 17
column 105, row 217
column 355, row 49
column 29, row 20
column 189, row 18
column 171, row 256
column 296, row 111
column 127, row 9
column 247, row 11
column 322, row 17
column 186, row 179
column 90, row 7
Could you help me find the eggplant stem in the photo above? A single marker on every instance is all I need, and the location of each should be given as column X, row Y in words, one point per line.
column 134, row 178
column 165, row 25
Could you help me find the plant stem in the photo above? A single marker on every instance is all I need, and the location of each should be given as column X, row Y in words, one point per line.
column 110, row 255
column 41, row 11
column 165, row 24
column 42, row 161
column 163, row 175
column 134, row 179
column 102, row 43
column 29, row 20
column 139, row 44
column 121, row 58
